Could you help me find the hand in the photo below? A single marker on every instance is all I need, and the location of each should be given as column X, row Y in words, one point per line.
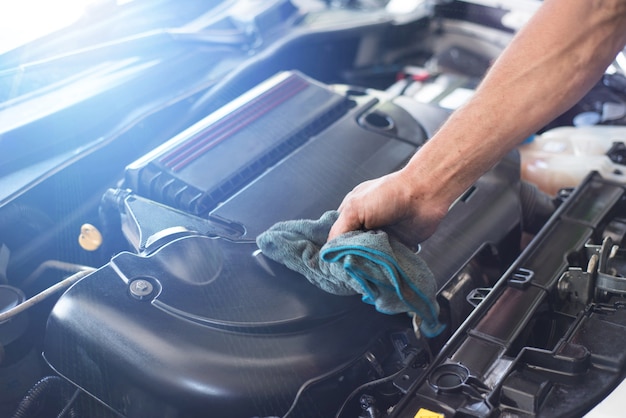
column 392, row 203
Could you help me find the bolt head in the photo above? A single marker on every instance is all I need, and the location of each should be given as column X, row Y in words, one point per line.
column 141, row 288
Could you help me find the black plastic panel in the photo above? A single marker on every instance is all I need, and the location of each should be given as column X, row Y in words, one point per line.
column 529, row 349
column 210, row 161
column 199, row 321
column 219, row 333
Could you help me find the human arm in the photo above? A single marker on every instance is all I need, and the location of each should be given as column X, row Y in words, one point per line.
column 554, row 60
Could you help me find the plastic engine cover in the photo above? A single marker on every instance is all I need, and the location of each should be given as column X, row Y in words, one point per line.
column 200, row 324
column 216, row 333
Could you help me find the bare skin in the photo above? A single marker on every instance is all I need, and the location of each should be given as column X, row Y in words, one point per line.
column 552, row 62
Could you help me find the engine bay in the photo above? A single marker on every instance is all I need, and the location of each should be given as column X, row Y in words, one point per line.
column 131, row 284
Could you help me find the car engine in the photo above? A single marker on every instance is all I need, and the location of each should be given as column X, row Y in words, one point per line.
column 169, row 309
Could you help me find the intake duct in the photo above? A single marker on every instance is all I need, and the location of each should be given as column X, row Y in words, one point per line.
column 244, row 138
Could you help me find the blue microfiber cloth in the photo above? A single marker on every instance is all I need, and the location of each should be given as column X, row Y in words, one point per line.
column 384, row 271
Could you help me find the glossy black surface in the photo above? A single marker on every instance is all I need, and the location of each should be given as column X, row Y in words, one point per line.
column 533, row 351
column 221, row 326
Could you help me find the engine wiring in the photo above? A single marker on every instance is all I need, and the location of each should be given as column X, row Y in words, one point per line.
column 63, row 284
column 371, row 383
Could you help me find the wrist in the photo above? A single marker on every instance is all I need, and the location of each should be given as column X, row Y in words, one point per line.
column 429, row 195
column 436, row 176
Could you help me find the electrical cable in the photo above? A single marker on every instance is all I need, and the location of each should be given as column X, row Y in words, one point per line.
column 49, row 265
column 49, row 388
column 309, row 383
column 68, row 406
column 5, row 316
column 373, row 383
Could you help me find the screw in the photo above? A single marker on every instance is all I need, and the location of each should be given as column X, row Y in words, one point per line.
column 141, row 288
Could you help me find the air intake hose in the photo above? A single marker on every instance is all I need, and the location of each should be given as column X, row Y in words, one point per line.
column 537, row 207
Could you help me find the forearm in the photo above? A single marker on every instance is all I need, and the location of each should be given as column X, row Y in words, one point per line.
column 560, row 54
column 548, row 67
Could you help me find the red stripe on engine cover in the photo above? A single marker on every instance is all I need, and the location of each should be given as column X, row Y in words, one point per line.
column 193, row 148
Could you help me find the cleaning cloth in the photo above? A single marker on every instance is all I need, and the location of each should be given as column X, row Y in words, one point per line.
column 384, row 271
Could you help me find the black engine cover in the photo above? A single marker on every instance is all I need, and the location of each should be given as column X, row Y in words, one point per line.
column 198, row 323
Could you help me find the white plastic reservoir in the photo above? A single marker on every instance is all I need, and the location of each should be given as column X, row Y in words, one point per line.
column 563, row 156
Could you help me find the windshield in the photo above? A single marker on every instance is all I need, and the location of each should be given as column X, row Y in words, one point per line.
column 77, row 74
column 32, row 30
column 26, row 20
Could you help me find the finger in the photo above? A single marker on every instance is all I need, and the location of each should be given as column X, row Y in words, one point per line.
column 347, row 202
column 343, row 224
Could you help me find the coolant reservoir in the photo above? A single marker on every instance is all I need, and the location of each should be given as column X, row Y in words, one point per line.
column 563, row 156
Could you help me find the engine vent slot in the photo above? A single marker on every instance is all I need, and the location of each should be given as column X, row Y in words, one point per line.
column 243, row 143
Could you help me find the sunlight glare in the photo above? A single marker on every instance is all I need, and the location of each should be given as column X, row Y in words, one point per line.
column 22, row 21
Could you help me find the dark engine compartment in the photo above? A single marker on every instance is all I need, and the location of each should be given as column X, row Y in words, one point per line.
column 241, row 326
column 549, row 335
column 175, row 312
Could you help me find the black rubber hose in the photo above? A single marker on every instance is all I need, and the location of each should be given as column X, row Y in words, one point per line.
column 537, row 207
column 109, row 213
column 18, row 225
column 51, row 388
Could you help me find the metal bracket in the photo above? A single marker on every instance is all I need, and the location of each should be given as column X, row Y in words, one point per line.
column 478, row 295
